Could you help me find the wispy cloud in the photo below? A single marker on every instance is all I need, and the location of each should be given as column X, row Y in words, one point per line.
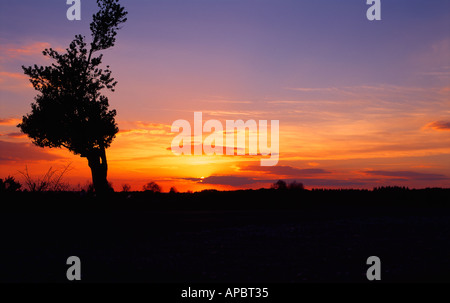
column 141, row 131
column 439, row 74
column 410, row 175
column 313, row 89
column 236, row 181
column 284, row 170
column 234, row 114
column 146, row 128
column 12, row 152
column 16, row 135
column 10, row 121
column 4, row 75
column 224, row 100
column 434, row 59
column 439, row 125
column 10, row 81
column 227, row 180
column 365, row 92
column 152, row 125
column 15, row 51
column 335, row 182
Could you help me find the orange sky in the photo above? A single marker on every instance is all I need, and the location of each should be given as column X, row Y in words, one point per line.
column 360, row 104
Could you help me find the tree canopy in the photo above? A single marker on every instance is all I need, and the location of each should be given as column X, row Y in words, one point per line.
column 70, row 110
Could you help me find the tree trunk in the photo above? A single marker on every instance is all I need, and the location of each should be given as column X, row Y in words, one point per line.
column 99, row 169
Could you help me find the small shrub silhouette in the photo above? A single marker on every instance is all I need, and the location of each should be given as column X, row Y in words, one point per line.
column 296, row 186
column 52, row 180
column 280, row 184
column 9, row 185
column 126, row 188
column 152, row 187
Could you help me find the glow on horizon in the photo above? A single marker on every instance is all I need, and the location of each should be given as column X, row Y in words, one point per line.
column 360, row 104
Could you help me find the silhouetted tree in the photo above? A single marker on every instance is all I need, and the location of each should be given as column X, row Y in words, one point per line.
column 173, row 190
column 9, row 184
column 391, row 188
column 126, row 188
column 153, row 187
column 296, row 186
column 280, row 184
column 70, row 111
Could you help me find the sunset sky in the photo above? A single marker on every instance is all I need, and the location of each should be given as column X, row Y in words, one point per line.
column 360, row 103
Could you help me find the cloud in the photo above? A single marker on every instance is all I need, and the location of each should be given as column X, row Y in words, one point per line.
column 14, row 51
column 236, row 150
column 16, row 135
column 360, row 91
column 141, row 132
column 234, row 114
column 439, row 125
column 10, row 121
column 152, row 125
column 408, row 175
column 227, row 180
column 333, row 182
column 436, row 57
column 144, row 128
column 438, row 74
column 310, row 89
column 13, row 81
column 284, row 170
column 23, row 152
column 12, row 75
column 241, row 181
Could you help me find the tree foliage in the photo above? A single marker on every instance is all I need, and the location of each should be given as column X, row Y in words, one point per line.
column 152, row 187
column 280, row 184
column 70, row 109
column 9, row 184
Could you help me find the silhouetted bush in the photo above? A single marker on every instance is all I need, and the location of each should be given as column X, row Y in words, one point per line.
column 296, row 186
column 173, row 190
column 391, row 188
column 210, row 190
column 9, row 185
column 52, row 180
column 152, row 187
column 109, row 188
column 126, row 188
column 280, row 184
column 88, row 188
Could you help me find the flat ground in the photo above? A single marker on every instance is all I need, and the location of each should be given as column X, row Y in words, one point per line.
column 164, row 238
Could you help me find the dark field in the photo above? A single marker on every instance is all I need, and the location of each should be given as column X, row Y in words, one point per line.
column 244, row 236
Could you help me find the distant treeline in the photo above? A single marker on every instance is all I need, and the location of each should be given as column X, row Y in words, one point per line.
column 261, row 199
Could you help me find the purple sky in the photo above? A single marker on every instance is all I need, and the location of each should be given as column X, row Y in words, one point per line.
column 351, row 95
